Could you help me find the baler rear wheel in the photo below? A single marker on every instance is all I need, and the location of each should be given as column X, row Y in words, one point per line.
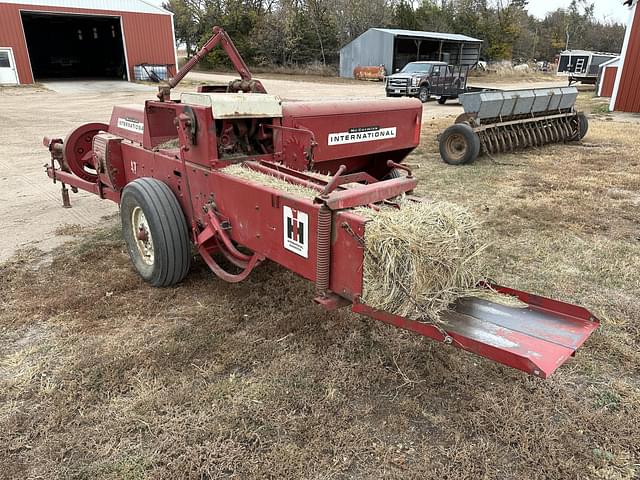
column 459, row 144
column 155, row 231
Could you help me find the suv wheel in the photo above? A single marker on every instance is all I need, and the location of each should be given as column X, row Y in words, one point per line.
column 424, row 94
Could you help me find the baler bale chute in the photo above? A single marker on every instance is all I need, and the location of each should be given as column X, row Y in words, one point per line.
column 246, row 177
column 505, row 121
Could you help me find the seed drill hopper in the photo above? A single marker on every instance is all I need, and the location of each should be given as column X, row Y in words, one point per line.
column 164, row 164
column 504, row 121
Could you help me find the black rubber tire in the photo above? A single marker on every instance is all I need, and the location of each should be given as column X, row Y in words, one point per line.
column 424, row 93
column 459, row 144
column 393, row 173
column 442, row 100
column 583, row 125
column 168, row 229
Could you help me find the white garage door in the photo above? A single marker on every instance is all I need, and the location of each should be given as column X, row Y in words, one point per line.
column 8, row 72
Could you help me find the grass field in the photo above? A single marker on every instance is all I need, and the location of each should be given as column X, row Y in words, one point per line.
column 102, row 376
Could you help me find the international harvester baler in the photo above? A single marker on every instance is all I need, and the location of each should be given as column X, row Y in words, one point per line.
column 164, row 162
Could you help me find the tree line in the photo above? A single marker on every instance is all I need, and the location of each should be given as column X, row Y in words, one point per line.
column 300, row 32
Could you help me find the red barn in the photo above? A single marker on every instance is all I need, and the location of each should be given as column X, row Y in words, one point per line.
column 45, row 39
column 607, row 77
column 626, row 92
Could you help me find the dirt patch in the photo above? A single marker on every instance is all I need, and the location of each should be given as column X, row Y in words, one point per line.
column 106, row 377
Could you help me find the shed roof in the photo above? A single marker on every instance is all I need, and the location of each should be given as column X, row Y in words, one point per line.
column 610, row 63
column 588, row 52
column 454, row 37
column 137, row 6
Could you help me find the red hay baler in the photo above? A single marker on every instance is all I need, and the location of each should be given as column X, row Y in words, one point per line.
column 162, row 162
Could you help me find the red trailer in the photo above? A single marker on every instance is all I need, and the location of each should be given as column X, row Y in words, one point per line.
column 164, row 164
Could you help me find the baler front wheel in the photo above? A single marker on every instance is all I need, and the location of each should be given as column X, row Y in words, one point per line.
column 155, row 231
column 459, row 144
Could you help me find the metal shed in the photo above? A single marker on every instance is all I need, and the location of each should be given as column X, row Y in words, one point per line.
column 395, row 48
column 44, row 39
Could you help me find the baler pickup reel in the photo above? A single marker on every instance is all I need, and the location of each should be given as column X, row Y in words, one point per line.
column 246, row 177
column 505, row 121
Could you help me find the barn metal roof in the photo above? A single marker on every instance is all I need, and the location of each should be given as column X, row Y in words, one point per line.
column 137, row 6
column 453, row 37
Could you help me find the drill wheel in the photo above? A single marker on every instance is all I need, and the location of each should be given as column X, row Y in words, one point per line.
column 459, row 144
column 78, row 150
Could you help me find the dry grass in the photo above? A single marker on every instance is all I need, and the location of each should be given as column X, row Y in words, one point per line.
column 102, row 376
column 502, row 74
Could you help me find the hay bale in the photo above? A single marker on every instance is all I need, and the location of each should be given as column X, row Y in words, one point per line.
column 237, row 170
column 420, row 258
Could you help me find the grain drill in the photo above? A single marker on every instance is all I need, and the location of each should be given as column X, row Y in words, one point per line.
column 505, row 121
column 163, row 162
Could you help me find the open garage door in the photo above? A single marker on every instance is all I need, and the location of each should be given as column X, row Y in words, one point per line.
column 74, row 46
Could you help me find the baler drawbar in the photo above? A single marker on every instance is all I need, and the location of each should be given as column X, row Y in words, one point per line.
column 164, row 164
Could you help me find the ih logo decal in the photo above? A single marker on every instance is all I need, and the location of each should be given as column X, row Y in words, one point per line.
column 296, row 231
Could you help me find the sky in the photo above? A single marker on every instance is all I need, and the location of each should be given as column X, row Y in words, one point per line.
column 605, row 9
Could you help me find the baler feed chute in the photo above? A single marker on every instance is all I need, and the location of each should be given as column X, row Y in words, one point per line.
column 504, row 121
column 536, row 339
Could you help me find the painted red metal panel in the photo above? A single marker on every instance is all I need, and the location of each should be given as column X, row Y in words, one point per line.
column 608, row 79
column 148, row 37
column 11, row 35
column 367, row 134
column 149, row 40
column 628, row 98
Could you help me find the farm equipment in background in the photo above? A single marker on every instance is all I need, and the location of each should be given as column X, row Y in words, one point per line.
column 582, row 65
column 504, row 121
column 375, row 74
column 164, row 164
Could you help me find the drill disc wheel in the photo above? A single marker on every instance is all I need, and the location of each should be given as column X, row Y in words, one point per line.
column 583, row 125
column 78, row 150
column 155, row 231
column 459, row 144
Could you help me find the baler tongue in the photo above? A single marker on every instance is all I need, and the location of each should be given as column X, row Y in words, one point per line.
column 537, row 339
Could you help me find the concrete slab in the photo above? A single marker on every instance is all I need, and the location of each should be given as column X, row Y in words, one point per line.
column 74, row 86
